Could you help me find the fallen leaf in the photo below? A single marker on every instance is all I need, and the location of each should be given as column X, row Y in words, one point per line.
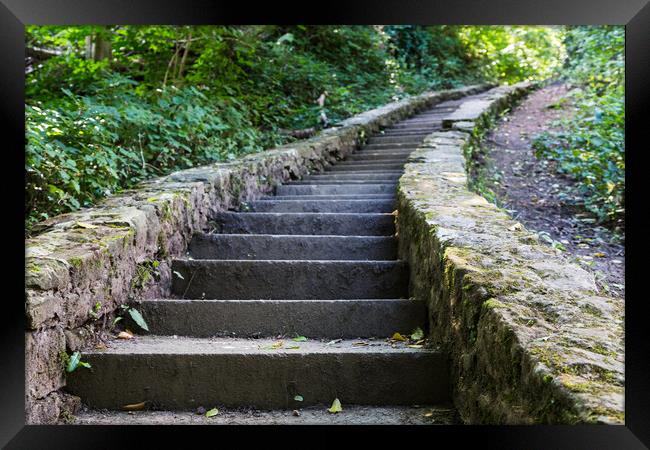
column 398, row 337
column 336, row 407
column 359, row 344
column 335, row 341
column 417, row 334
column 85, row 225
column 276, row 345
column 298, row 398
column 299, row 339
column 178, row 275
column 429, row 414
column 124, row 335
column 296, row 413
column 415, row 346
column 134, row 406
column 213, row 412
column 394, row 213
column 599, row 255
column 293, row 347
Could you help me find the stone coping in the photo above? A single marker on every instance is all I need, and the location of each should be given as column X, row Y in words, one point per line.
column 529, row 337
column 82, row 266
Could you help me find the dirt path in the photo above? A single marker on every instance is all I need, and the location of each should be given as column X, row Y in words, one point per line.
column 539, row 199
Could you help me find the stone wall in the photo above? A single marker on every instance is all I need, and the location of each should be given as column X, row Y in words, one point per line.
column 82, row 266
column 529, row 338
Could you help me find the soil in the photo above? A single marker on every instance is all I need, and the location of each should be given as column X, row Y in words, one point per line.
column 540, row 198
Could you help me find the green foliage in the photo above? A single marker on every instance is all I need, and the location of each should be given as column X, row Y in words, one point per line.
column 509, row 54
column 173, row 97
column 591, row 147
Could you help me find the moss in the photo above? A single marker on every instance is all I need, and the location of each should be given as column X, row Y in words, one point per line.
column 75, row 262
column 117, row 224
column 493, row 303
column 162, row 252
column 616, row 415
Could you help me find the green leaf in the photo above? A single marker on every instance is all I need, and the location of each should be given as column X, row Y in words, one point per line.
column 299, row 339
column 117, row 319
column 336, row 407
column 298, row 398
column 74, row 362
column 213, row 412
column 417, row 334
column 137, row 318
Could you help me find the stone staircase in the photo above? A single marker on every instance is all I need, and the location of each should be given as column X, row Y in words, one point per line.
column 318, row 259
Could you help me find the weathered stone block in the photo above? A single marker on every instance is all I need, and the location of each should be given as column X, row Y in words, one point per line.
column 530, row 340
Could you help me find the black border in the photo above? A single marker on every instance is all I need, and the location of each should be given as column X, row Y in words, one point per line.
column 635, row 14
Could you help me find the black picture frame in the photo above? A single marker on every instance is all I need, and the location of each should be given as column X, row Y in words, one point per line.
column 634, row 14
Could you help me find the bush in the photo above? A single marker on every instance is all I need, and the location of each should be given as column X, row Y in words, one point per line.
column 591, row 147
column 172, row 97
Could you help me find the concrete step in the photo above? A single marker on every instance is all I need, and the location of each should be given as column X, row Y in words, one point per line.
column 403, row 151
column 331, row 319
column 390, row 146
column 306, row 223
column 330, row 197
column 356, row 176
column 276, row 280
column 185, row 373
column 294, row 247
column 336, row 190
column 443, row 414
column 406, row 132
column 324, row 206
column 429, row 125
column 382, row 139
column 378, row 156
column 366, row 166
column 345, row 181
column 395, row 160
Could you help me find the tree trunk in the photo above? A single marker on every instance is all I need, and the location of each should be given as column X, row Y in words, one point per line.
column 98, row 48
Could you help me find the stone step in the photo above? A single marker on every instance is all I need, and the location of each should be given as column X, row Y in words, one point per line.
column 443, row 414
column 406, row 132
column 276, row 279
column 324, row 206
column 294, row 247
column 355, row 176
column 365, row 166
column 336, row 190
column 398, row 161
column 184, row 373
column 330, row 197
column 425, row 122
column 379, row 139
column 390, row 146
column 331, row 319
column 346, row 181
column 306, row 223
column 379, row 156
column 429, row 125
column 403, row 151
